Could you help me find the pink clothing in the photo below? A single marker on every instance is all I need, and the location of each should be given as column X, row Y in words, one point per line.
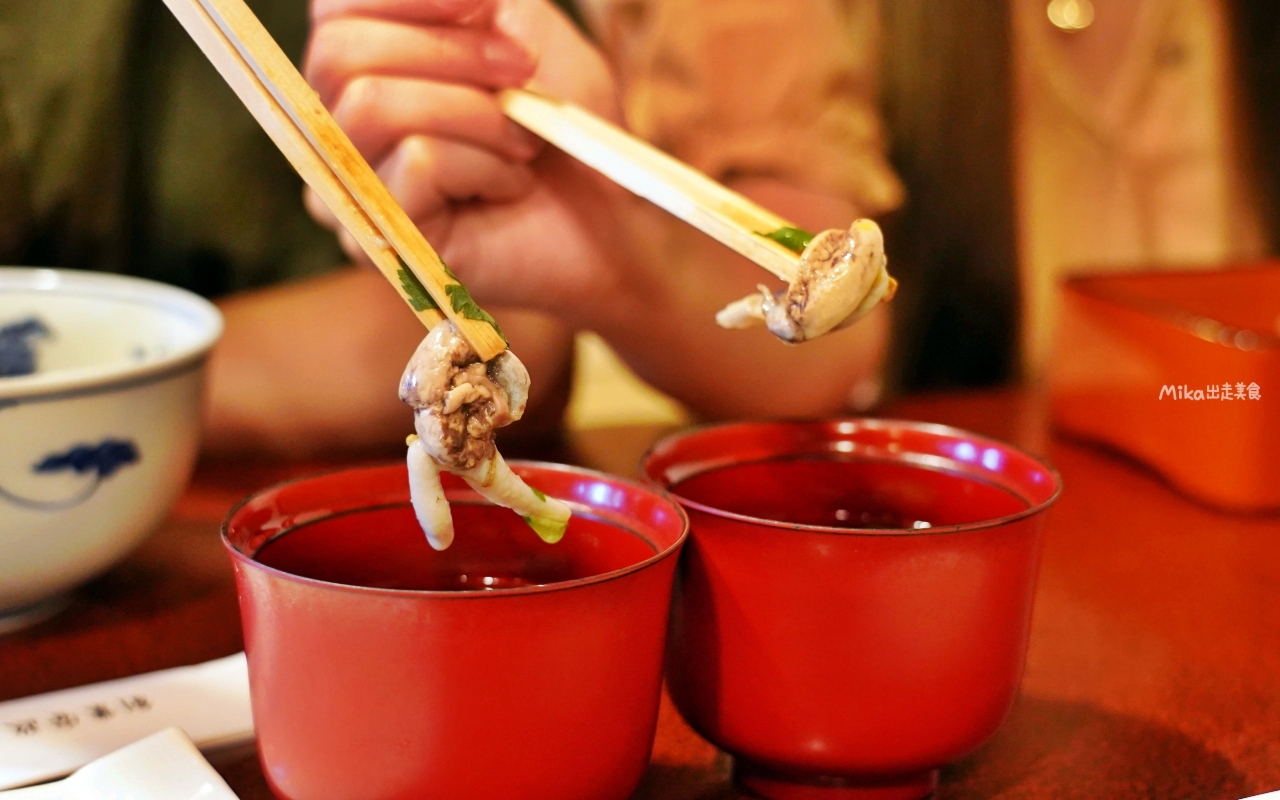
column 756, row 88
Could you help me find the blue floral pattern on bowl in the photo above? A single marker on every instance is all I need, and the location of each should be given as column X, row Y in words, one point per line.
column 17, row 351
column 99, row 462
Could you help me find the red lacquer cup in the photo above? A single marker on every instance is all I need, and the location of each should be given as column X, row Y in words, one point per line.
column 822, row 634
column 526, row 670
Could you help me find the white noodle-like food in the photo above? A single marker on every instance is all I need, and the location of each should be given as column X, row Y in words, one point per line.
column 459, row 401
column 842, row 276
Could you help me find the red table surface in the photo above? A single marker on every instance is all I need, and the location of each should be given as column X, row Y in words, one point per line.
column 1153, row 671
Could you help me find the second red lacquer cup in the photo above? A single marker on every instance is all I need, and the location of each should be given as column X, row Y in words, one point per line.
column 853, row 607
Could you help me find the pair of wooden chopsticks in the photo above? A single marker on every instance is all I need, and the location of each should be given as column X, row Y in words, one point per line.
column 268, row 84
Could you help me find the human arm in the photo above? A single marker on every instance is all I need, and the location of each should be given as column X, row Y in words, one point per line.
column 309, row 368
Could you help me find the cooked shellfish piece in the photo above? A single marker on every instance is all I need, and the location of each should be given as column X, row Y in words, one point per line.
column 842, row 276
column 459, row 402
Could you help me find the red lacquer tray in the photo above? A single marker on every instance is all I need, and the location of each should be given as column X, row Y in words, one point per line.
column 1182, row 371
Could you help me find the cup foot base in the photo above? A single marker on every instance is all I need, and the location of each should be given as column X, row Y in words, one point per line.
column 765, row 783
column 24, row 617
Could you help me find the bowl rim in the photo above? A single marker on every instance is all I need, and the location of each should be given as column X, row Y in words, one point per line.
column 867, row 422
column 89, row 379
column 669, row 551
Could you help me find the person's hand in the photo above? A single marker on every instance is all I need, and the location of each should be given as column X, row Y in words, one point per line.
column 413, row 83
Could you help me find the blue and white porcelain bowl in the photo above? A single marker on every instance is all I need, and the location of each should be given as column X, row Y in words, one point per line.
column 101, row 378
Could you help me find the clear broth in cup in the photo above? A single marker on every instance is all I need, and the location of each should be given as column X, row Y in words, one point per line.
column 384, row 548
column 848, row 493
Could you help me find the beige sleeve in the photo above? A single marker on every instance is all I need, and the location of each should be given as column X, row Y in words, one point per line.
column 761, row 88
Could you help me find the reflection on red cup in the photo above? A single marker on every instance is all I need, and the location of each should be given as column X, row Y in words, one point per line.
column 853, row 607
column 501, row 668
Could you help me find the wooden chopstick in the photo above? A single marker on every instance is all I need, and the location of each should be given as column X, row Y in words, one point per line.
column 650, row 173
column 275, row 93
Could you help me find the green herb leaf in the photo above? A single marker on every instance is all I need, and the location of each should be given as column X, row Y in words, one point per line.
column 540, row 495
column 794, row 239
column 464, row 305
column 548, row 530
column 419, row 300
column 448, row 271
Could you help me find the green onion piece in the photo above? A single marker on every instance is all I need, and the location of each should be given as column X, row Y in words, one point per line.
column 419, row 300
column 794, row 239
column 464, row 305
column 549, row 530
column 459, row 297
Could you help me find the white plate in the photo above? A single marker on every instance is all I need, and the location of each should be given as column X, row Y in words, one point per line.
column 47, row 736
column 163, row 766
